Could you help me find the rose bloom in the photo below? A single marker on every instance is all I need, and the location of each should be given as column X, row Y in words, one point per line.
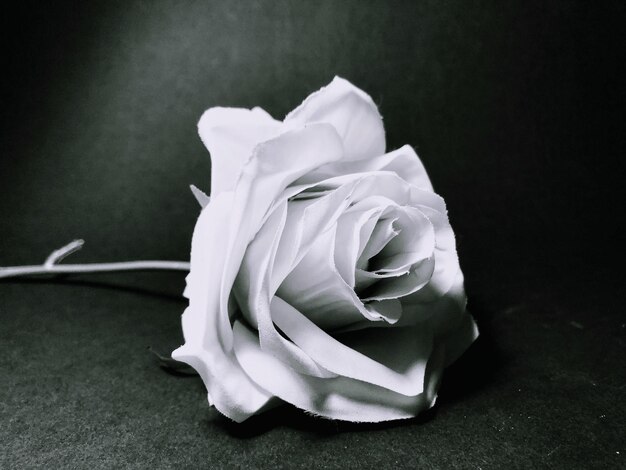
column 324, row 271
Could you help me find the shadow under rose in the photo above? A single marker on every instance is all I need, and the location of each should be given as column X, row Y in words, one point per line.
column 478, row 367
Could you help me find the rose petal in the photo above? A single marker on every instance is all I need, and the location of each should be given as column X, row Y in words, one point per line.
column 306, row 219
column 315, row 286
column 351, row 111
column 224, row 229
column 404, row 285
column 403, row 254
column 445, row 312
column 402, row 162
column 414, row 242
column 445, row 257
column 376, row 183
column 387, row 186
column 382, row 234
column 454, row 329
column 395, row 374
column 252, row 290
column 340, row 397
column 365, row 279
column 274, row 165
column 230, row 134
column 389, row 310
column 205, row 330
column 354, row 228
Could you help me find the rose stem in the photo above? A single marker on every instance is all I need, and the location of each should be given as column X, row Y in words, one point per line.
column 50, row 266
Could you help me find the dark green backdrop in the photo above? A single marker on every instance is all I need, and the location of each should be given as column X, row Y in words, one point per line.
column 515, row 109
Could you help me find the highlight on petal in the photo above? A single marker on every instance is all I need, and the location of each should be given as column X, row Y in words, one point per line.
column 230, row 135
column 353, row 114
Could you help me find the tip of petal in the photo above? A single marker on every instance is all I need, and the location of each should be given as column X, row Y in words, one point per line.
column 337, row 86
column 351, row 111
column 340, row 82
column 180, row 353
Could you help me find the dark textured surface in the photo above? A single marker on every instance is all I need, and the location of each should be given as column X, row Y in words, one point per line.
column 516, row 113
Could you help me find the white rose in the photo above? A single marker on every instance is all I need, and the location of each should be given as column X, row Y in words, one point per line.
column 323, row 270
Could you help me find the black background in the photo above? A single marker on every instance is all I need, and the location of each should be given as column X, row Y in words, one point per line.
column 516, row 111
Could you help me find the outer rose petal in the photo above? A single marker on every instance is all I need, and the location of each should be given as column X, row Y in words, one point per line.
column 403, row 162
column 274, row 165
column 231, row 390
column 351, row 111
column 402, row 370
column 224, row 229
column 230, row 135
column 339, row 397
column 449, row 318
